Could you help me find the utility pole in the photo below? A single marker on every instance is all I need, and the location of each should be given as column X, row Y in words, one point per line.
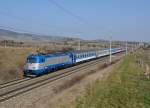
column 126, row 48
column 132, row 47
column 110, row 42
column 78, row 41
column 79, row 44
column 5, row 43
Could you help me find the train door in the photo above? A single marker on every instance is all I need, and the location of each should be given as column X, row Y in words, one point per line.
column 72, row 55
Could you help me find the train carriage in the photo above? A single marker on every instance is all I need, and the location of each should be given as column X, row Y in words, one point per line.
column 40, row 63
column 80, row 56
column 102, row 52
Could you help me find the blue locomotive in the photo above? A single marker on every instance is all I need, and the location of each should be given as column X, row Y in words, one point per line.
column 41, row 63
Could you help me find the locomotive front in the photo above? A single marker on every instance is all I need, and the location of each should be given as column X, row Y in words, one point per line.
column 33, row 65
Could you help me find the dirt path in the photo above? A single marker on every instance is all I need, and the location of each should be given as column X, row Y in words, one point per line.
column 52, row 95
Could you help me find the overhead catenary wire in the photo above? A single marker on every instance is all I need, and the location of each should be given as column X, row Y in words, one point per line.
column 58, row 5
column 24, row 20
column 20, row 30
column 12, row 16
column 18, row 18
column 66, row 10
column 77, row 17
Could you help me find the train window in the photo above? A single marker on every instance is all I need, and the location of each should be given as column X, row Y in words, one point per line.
column 32, row 60
column 78, row 55
column 42, row 60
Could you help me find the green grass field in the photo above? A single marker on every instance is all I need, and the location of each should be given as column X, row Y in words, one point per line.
column 126, row 87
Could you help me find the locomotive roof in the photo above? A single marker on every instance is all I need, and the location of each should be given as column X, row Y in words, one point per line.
column 63, row 53
column 47, row 54
column 80, row 51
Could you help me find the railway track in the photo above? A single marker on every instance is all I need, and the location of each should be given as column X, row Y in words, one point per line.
column 17, row 87
column 13, row 82
column 17, row 81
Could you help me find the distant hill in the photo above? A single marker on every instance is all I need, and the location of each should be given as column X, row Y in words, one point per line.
column 26, row 37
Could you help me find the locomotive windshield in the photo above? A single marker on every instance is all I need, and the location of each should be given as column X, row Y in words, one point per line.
column 32, row 60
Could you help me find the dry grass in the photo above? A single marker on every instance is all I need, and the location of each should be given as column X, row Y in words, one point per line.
column 79, row 78
column 11, row 63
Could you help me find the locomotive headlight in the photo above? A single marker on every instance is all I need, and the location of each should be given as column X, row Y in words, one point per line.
column 34, row 67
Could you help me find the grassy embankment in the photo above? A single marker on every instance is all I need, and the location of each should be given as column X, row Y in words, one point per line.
column 11, row 62
column 126, row 87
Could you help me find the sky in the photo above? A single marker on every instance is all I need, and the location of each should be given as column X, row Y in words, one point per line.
column 87, row 19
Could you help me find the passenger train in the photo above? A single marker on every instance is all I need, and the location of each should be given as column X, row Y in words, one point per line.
column 41, row 63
